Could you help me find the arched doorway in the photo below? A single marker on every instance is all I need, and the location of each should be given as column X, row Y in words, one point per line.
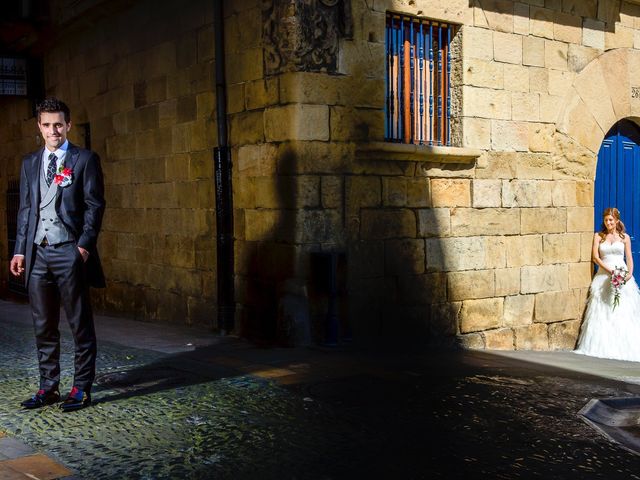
column 618, row 180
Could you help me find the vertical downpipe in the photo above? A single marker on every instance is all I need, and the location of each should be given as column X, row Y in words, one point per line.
column 223, row 188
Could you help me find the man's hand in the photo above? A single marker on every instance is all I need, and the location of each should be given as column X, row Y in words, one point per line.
column 17, row 265
column 84, row 253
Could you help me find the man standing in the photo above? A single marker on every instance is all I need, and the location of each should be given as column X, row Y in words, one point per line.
column 61, row 208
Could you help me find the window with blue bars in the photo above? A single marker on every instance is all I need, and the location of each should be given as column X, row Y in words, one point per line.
column 418, row 80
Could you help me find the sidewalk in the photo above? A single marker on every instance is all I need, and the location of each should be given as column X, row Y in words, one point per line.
column 178, row 402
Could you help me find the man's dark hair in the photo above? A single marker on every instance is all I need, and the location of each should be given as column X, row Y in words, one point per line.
column 53, row 105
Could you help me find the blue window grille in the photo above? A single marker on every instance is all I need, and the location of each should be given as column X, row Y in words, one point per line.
column 418, row 80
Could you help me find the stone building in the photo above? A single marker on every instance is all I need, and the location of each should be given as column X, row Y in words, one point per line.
column 479, row 237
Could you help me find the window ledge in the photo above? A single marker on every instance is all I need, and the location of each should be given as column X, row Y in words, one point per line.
column 417, row 153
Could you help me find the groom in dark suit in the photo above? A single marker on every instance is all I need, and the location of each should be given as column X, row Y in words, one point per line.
column 61, row 208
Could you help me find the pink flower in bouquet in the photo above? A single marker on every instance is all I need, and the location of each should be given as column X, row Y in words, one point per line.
column 618, row 279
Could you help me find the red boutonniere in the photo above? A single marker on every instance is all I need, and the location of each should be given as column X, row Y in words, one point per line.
column 64, row 177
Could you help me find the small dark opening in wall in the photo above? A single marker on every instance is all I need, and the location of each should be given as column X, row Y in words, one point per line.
column 85, row 134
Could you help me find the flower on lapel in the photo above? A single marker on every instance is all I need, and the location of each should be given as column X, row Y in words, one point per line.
column 64, row 177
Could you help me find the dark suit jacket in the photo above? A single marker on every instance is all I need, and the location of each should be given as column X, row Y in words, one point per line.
column 80, row 207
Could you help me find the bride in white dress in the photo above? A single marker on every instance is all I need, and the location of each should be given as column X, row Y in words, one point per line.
column 608, row 332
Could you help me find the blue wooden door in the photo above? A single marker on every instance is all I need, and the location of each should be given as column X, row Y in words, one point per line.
column 618, row 181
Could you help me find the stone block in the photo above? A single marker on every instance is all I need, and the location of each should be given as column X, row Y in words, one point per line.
column 516, row 78
column 580, row 56
column 593, row 33
column 543, row 220
column 538, row 80
column 524, row 250
column 532, row 337
column 564, row 335
column 526, row 193
column 477, row 43
column 580, row 275
column 366, row 259
column 525, row 107
column 434, row 222
column 502, row 339
column 418, row 192
column 356, row 124
column 331, row 189
column 486, row 103
column 297, row 122
column 385, row 224
column 447, row 192
column 507, row 48
column 622, row 37
column 247, row 127
column 541, row 22
column 533, row 51
column 617, row 78
column 256, row 160
column 261, row 93
column 593, row 83
column 560, row 81
column 362, row 191
column 424, row 289
column 248, row 65
column 567, row 28
column 404, row 257
column 471, row 341
column 521, row 19
column 534, row 166
column 489, row 221
column 544, row 278
column 496, row 256
column 507, row 281
column 470, row 284
column 541, row 137
column 556, row 55
column 487, row 193
column 476, row 133
column 586, row 246
column 498, row 15
column 455, row 254
column 518, row 310
column 557, row 306
column 561, row 247
column 581, row 8
column 564, row 193
column 482, row 314
column 579, row 219
column 509, row 136
column 584, row 194
column 445, row 318
column 482, row 73
column 394, row 191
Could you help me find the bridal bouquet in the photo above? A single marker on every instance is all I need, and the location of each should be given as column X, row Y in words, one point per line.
column 617, row 281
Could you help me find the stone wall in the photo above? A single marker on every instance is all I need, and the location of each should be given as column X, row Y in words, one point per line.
column 143, row 79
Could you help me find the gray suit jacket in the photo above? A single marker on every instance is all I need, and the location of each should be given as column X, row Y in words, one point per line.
column 79, row 206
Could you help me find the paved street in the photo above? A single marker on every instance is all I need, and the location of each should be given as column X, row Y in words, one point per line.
column 174, row 402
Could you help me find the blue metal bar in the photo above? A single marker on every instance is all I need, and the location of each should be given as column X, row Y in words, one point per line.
column 449, row 85
column 400, row 78
column 430, row 37
column 421, row 56
column 413, row 77
column 439, row 123
column 389, row 60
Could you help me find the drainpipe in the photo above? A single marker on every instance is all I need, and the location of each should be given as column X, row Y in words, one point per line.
column 223, row 190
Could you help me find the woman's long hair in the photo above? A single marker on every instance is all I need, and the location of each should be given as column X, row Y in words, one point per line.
column 615, row 213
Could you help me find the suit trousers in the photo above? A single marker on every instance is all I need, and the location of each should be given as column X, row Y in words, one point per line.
column 58, row 277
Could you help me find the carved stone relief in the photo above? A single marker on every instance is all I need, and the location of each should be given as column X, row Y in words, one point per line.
column 303, row 35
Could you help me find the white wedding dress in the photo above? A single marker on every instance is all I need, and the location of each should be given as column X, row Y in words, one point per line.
column 609, row 333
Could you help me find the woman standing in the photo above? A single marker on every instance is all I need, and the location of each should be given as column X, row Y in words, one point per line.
column 611, row 327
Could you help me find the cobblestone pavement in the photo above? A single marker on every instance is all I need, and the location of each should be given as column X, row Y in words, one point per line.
column 229, row 410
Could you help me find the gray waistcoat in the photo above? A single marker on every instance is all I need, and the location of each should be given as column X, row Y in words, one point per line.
column 49, row 225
